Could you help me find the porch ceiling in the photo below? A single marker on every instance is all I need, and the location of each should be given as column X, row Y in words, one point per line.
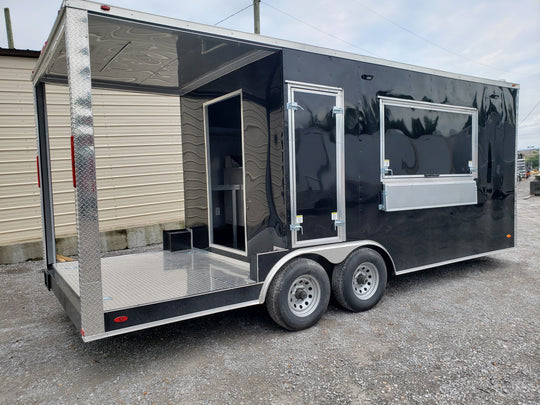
column 137, row 56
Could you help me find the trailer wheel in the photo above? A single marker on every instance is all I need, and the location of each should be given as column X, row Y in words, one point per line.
column 298, row 295
column 359, row 282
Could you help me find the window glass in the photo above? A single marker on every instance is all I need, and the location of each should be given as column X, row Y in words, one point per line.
column 426, row 142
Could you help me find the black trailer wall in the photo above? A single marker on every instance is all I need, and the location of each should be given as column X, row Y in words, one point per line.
column 423, row 236
column 262, row 109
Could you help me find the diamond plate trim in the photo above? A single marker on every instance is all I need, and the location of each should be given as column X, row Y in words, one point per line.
column 82, row 129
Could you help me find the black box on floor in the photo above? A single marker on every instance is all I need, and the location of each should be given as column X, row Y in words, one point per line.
column 175, row 240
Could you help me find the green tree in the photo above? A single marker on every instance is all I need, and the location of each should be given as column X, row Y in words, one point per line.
column 532, row 161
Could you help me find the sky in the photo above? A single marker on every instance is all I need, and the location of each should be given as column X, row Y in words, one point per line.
column 494, row 39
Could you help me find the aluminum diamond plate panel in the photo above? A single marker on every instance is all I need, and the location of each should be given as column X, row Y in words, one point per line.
column 145, row 278
column 82, row 130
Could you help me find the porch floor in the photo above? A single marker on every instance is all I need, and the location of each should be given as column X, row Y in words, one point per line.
column 144, row 278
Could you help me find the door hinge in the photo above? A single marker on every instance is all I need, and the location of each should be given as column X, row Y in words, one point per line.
column 294, row 106
column 337, row 110
column 338, row 222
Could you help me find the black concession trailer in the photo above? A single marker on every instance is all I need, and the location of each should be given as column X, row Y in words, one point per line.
column 307, row 171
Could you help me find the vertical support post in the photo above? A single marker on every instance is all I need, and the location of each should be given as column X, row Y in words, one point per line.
column 82, row 129
column 9, row 29
column 44, row 173
column 256, row 16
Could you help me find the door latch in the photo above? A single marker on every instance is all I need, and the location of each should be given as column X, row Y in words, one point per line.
column 297, row 227
column 338, row 222
column 337, row 110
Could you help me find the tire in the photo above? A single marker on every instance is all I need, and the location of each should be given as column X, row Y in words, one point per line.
column 298, row 295
column 359, row 282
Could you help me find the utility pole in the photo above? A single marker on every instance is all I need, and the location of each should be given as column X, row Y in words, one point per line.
column 256, row 16
column 8, row 29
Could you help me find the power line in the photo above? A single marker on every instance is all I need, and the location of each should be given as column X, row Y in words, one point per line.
column 317, row 28
column 428, row 40
column 530, row 112
column 232, row 15
column 363, row 49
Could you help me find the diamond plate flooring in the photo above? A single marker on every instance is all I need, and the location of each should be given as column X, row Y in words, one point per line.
column 145, row 278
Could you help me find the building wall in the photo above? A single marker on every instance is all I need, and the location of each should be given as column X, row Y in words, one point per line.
column 138, row 158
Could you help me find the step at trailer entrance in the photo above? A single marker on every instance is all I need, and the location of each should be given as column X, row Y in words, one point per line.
column 306, row 170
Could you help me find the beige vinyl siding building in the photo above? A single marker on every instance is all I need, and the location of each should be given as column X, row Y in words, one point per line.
column 138, row 156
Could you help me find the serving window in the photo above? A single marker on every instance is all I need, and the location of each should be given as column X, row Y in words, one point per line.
column 428, row 154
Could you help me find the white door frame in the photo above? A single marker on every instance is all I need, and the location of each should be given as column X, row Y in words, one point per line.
column 339, row 110
column 208, row 172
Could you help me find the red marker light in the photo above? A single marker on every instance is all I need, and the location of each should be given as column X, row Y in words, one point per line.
column 73, row 175
column 105, row 7
column 120, row 319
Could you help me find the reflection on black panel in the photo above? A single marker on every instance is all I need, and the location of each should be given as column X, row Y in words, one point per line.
column 427, row 142
column 315, row 143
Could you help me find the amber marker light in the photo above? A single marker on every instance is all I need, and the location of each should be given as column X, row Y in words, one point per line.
column 508, row 236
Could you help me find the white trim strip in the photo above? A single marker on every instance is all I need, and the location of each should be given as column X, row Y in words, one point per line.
column 444, row 263
column 169, row 320
column 425, row 105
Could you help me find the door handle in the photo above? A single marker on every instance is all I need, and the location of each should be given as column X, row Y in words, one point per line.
column 296, row 227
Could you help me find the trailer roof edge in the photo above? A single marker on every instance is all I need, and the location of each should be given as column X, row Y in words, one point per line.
column 120, row 12
column 50, row 43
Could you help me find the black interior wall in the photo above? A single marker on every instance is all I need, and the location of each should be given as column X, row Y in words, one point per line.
column 262, row 111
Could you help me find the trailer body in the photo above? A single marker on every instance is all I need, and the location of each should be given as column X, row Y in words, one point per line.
column 294, row 157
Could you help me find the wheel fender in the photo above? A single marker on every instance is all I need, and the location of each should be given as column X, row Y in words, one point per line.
column 334, row 253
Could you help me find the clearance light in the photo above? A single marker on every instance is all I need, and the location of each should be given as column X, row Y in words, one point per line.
column 105, row 7
column 120, row 319
column 508, row 236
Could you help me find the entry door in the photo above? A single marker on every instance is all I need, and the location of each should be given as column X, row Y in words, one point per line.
column 225, row 172
column 316, row 156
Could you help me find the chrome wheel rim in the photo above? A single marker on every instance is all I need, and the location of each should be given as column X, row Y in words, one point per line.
column 304, row 296
column 365, row 280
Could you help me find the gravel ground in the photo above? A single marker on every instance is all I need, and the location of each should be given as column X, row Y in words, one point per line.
column 462, row 333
